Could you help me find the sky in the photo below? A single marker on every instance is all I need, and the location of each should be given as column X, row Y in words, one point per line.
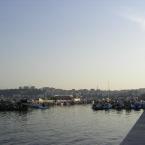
column 72, row 44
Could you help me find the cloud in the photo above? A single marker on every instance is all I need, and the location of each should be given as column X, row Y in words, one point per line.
column 135, row 17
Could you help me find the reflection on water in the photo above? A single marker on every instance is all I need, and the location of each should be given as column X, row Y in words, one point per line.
column 74, row 125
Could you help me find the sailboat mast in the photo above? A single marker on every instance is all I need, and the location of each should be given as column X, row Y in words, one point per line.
column 108, row 89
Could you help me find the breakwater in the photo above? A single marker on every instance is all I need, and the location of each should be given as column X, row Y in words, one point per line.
column 137, row 134
column 12, row 105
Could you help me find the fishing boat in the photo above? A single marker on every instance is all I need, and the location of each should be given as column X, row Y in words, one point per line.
column 97, row 106
column 143, row 104
column 107, row 106
column 39, row 106
column 136, row 106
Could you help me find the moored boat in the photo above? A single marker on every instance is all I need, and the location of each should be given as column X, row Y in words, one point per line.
column 39, row 106
column 107, row 106
column 136, row 106
column 97, row 106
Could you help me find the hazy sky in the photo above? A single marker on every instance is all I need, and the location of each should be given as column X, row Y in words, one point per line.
column 72, row 43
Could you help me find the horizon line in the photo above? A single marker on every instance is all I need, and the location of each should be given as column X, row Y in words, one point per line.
column 36, row 87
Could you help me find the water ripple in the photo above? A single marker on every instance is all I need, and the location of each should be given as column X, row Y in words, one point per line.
column 76, row 125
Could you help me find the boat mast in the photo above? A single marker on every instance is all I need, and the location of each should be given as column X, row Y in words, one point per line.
column 108, row 89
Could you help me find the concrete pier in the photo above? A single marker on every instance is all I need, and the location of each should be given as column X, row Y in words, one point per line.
column 137, row 134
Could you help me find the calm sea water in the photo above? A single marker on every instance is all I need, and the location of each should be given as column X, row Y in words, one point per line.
column 75, row 125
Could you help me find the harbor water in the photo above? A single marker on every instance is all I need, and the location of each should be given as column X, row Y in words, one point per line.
column 73, row 125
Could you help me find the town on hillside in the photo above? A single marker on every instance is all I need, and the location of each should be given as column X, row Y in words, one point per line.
column 24, row 97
